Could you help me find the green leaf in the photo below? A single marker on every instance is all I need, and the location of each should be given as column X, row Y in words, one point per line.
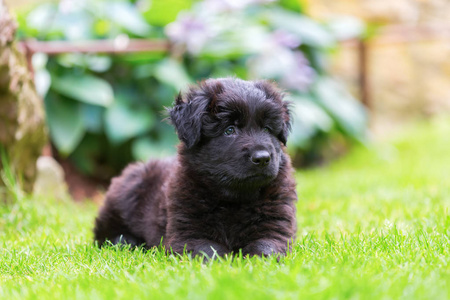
column 138, row 58
column 349, row 114
column 42, row 78
column 65, row 122
column 143, row 71
column 123, row 122
column 75, row 25
column 294, row 5
column 86, row 154
column 98, row 63
column 70, row 60
column 172, row 73
column 42, row 81
column 309, row 119
column 39, row 17
column 92, row 117
column 126, row 15
column 145, row 148
column 309, row 31
column 84, row 88
column 234, row 44
column 171, row 8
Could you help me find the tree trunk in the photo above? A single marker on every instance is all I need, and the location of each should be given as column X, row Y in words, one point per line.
column 22, row 124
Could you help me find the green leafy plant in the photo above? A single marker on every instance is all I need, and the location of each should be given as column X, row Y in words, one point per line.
column 104, row 111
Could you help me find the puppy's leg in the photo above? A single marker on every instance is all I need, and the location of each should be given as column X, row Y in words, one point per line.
column 134, row 210
column 109, row 226
column 118, row 215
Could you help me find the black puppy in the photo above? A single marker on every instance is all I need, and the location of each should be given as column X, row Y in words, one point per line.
column 230, row 188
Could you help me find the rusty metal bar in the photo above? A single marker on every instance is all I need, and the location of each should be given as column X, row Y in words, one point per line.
column 394, row 34
column 363, row 73
column 399, row 34
column 115, row 46
column 391, row 34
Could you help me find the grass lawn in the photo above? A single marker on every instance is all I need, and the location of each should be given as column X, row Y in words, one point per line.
column 373, row 225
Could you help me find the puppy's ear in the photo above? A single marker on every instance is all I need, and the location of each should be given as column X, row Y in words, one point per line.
column 187, row 115
column 287, row 123
column 273, row 92
column 211, row 89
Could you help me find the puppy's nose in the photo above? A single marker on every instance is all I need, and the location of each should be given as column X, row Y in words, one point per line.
column 261, row 158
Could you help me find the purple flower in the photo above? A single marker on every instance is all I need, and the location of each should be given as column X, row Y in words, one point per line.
column 190, row 31
column 285, row 39
column 300, row 76
column 279, row 62
column 231, row 5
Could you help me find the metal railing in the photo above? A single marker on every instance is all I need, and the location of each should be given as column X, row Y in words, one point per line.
column 385, row 35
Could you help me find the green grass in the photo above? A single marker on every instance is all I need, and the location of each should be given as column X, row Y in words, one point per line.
column 373, row 225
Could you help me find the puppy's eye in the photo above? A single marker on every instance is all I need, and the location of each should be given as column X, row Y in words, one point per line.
column 267, row 129
column 230, row 130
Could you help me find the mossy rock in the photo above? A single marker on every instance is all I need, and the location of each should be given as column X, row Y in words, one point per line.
column 22, row 122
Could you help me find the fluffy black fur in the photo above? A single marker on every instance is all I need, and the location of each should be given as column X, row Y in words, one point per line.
column 231, row 186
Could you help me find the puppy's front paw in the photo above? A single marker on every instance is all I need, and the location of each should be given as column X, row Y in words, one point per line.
column 210, row 250
column 206, row 248
column 262, row 248
column 127, row 239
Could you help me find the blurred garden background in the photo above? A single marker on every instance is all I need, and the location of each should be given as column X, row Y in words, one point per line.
column 106, row 70
column 105, row 108
column 83, row 90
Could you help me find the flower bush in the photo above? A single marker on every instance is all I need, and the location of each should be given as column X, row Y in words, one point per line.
column 105, row 111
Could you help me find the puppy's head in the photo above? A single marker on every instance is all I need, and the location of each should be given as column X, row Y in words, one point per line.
column 233, row 130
